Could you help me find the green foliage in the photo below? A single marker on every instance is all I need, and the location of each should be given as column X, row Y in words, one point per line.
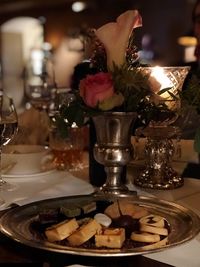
column 61, row 125
column 73, row 113
column 132, row 84
column 173, row 96
column 191, row 99
column 197, row 141
column 191, row 95
column 151, row 112
column 76, row 112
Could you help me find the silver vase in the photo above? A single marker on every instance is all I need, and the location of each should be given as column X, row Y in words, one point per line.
column 113, row 148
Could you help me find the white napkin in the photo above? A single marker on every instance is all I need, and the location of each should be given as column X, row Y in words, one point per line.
column 185, row 255
column 44, row 186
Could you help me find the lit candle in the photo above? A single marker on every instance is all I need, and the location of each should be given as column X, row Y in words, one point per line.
column 163, row 81
column 160, row 80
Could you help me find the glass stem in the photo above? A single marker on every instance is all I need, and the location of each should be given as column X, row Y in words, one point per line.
column 1, row 179
column 1, row 104
column 2, row 202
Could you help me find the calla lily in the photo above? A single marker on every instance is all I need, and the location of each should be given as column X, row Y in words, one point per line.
column 115, row 36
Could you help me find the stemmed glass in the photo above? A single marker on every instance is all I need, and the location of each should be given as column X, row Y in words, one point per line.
column 8, row 128
column 40, row 86
column 40, row 90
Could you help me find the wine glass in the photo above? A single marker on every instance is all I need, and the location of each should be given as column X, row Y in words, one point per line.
column 40, row 82
column 40, row 90
column 8, row 128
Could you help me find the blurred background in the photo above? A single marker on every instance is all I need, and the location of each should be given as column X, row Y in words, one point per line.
column 34, row 30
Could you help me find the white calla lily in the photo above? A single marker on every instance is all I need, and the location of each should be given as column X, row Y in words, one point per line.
column 115, row 36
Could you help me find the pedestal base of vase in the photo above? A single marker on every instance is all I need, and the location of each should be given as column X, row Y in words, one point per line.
column 159, row 149
column 105, row 192
column 114, row 185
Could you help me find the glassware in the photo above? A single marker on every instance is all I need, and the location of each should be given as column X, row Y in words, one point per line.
column 40, row 90
column 40, row 85
column 8, row 129
column 68, row 148
column 166, row 83
column 68, row 152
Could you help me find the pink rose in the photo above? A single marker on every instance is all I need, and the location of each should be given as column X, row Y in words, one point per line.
column 115, row 36
column 96, row 88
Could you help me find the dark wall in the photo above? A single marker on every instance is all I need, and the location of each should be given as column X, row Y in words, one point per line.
column 164, row 20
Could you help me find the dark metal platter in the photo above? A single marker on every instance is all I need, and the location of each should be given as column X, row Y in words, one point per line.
column 184, row 225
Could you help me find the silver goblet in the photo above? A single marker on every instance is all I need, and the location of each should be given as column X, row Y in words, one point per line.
column 113, row 148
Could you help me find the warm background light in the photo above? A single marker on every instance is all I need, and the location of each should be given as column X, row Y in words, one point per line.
column 187, row 41
column 78, row 6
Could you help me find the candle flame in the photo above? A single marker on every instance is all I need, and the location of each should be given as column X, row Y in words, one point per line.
column 159, row 74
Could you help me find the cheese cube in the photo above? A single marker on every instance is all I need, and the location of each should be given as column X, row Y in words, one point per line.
column 61, row 230
column 110, row 238
column 84, row 233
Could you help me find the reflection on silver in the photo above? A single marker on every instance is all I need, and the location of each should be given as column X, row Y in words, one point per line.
column 184, row 225
column 158, row 173
column 113, row 148
column 159, row 149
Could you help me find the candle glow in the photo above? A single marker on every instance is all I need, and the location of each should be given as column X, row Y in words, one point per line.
column 164, row 82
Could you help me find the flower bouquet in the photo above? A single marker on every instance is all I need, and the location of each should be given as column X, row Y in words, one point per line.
column 112, row 79
column 111, row 86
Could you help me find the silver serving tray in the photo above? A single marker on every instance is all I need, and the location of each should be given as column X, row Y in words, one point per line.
column 184, row 225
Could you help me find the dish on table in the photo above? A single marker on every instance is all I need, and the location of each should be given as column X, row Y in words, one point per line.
column 24, row 159
column 28, row 175
column 17, row 224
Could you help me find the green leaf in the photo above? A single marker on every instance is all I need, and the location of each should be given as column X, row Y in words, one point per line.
column 62, row 126
column 173, row 96
column 197, row 141
column 73, row 113
column 162, row 91
column 112, row 102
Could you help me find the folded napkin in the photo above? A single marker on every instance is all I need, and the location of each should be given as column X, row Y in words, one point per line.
column 53, row 184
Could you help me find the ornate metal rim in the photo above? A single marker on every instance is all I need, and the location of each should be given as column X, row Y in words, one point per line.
column 185, row 225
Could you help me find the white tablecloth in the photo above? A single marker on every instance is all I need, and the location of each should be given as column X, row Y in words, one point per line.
column 57, row 183
column 46, row 185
